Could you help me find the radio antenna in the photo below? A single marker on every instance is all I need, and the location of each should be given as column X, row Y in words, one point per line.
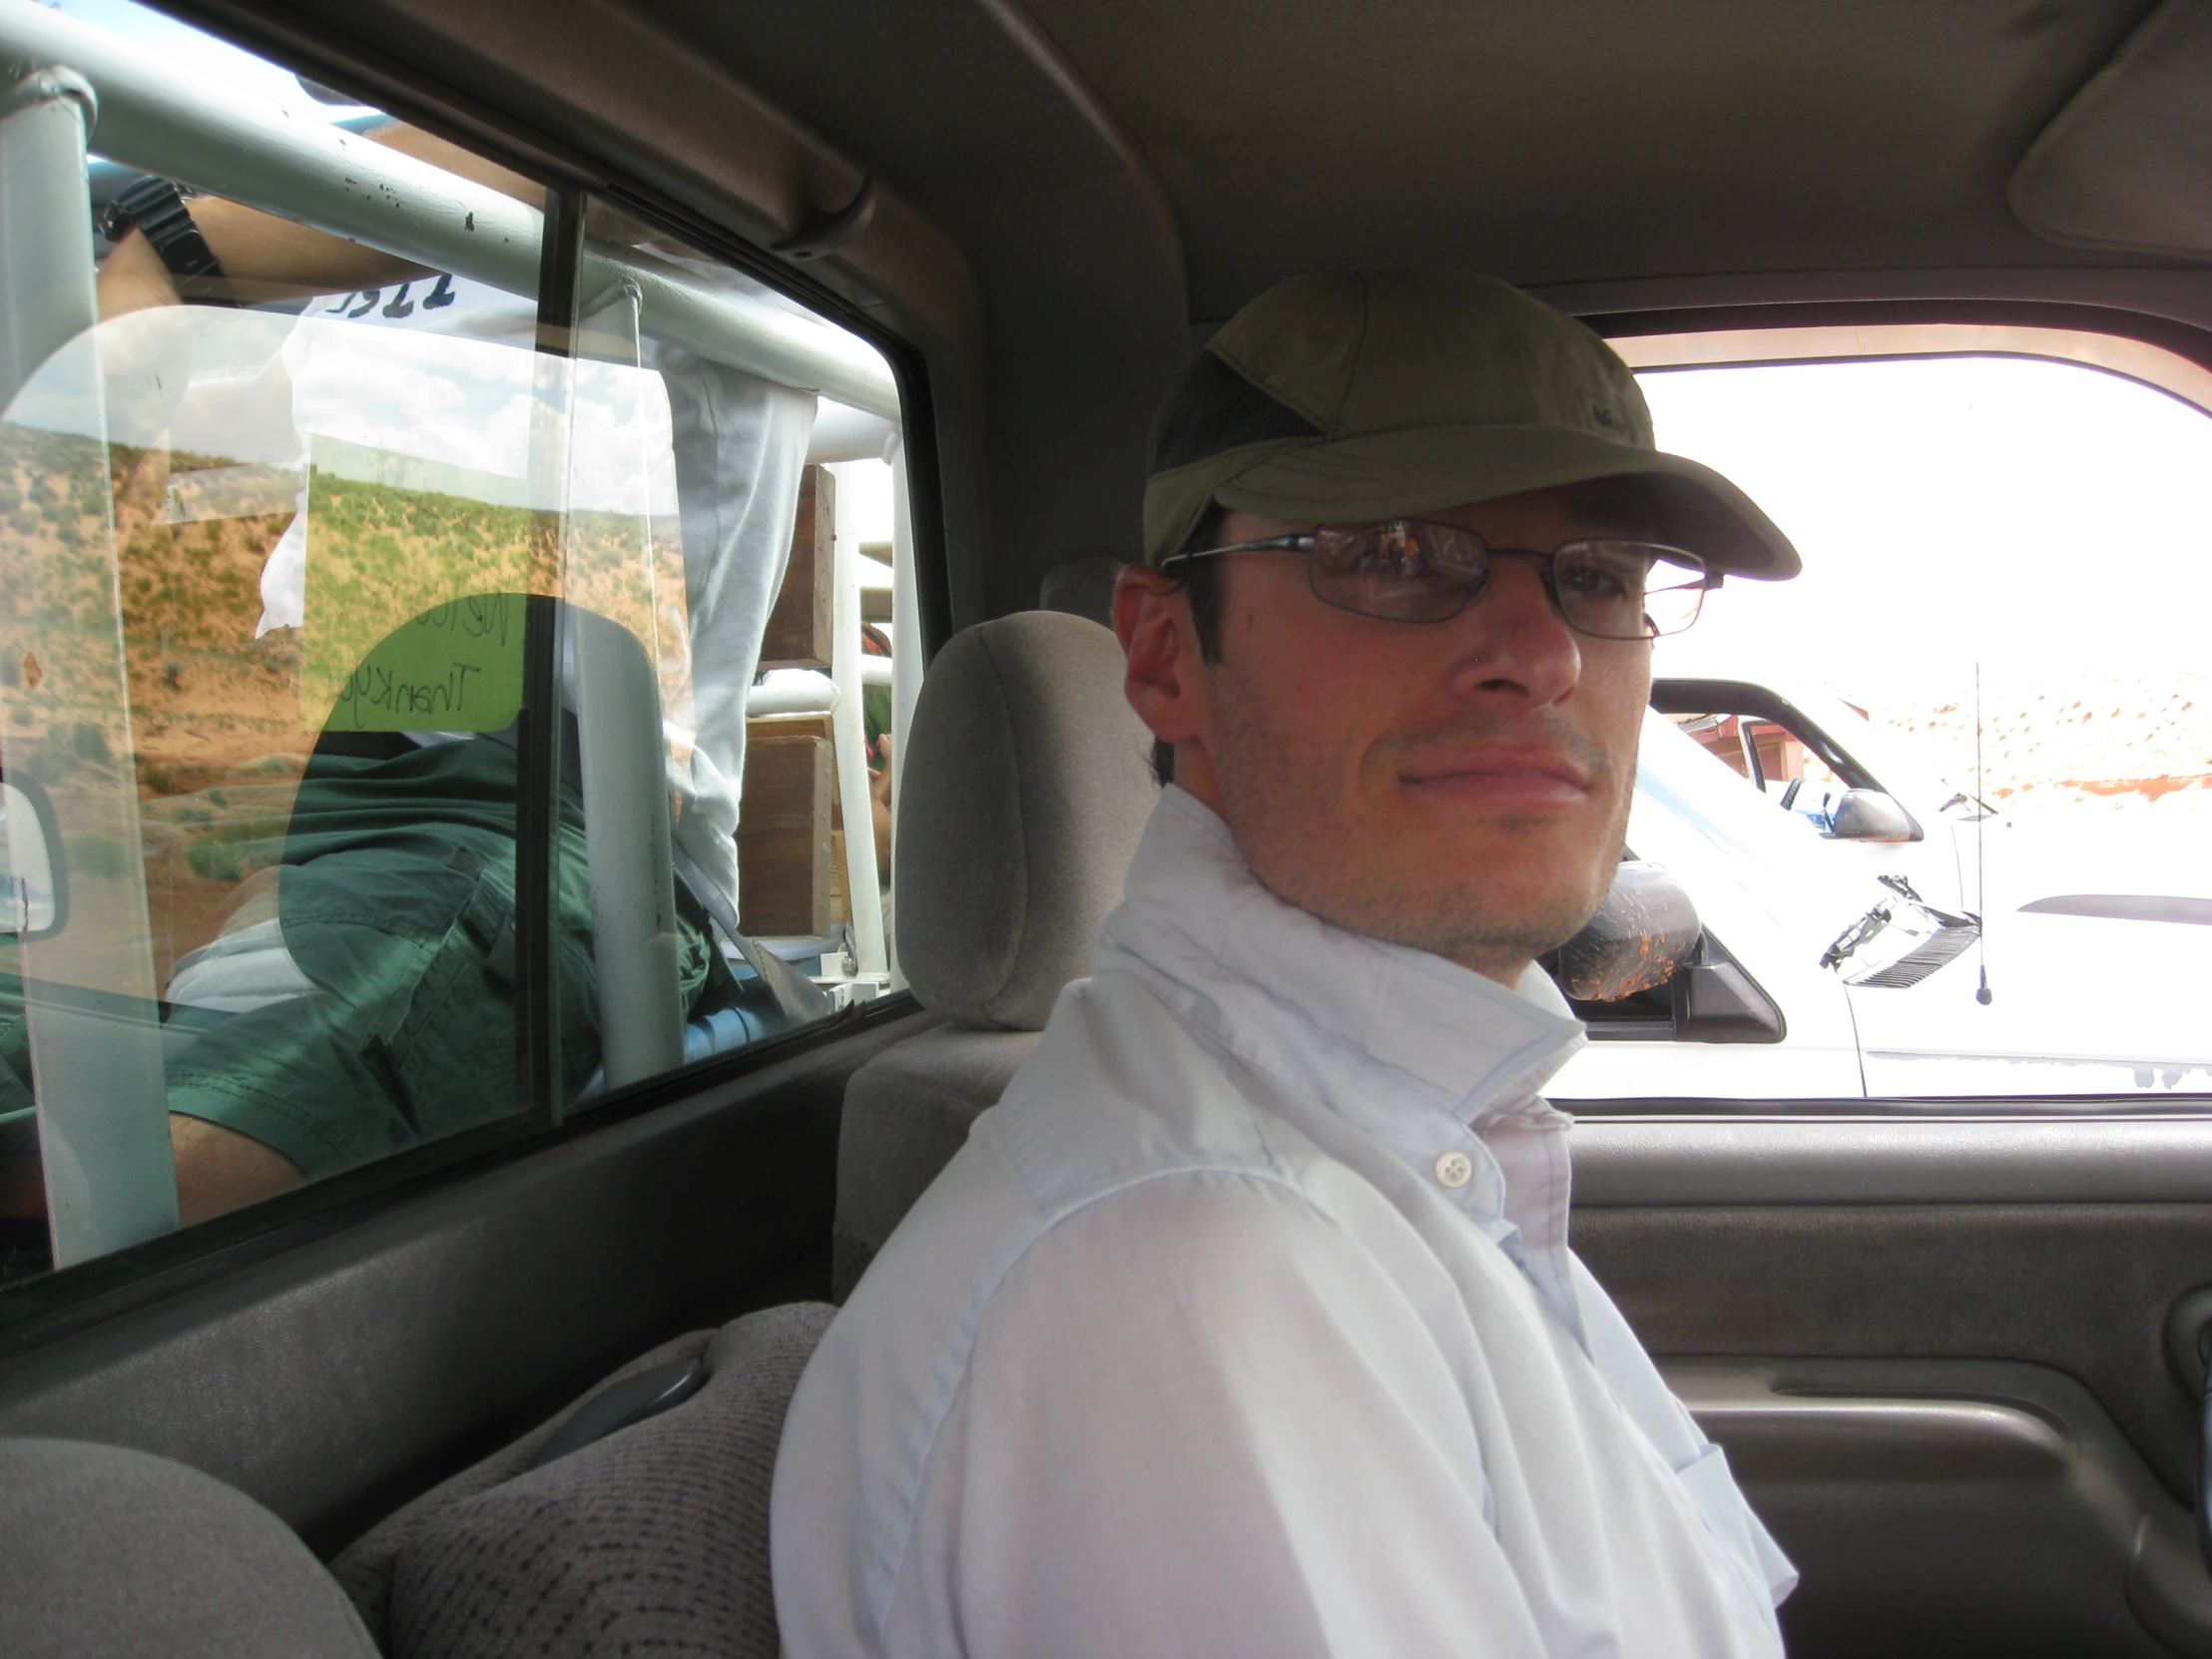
column 1981, row 836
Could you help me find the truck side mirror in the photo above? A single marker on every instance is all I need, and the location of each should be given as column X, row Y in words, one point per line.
column 1646, row 938
column 34, row 889
column 1644, row 930
column 1871, row 815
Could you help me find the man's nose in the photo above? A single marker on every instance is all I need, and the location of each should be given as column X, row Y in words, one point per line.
column 1513, row 641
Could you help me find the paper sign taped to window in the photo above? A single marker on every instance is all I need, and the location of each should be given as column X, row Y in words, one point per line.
column 455, row 668
column 416, row 572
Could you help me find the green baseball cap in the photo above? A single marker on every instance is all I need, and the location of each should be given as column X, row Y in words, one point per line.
column 1367, row 394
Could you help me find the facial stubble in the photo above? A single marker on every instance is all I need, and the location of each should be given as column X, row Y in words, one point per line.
column 1278, row 798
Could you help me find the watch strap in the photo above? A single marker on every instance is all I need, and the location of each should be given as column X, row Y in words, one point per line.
column 156, row 209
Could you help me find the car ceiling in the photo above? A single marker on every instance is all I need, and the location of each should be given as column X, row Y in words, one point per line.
column 1114, row 177
column 1587, row 140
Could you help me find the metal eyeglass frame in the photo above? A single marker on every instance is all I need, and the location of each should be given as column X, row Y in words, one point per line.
column 1303, row 541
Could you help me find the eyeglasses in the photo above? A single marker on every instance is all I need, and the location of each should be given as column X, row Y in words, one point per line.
column 1414, row 569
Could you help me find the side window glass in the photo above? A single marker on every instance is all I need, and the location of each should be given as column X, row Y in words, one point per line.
column 1788, row 754
column 1769, row 755
column 1943, row 798
column 299, row 499
column 272, row 842
column 765, row 603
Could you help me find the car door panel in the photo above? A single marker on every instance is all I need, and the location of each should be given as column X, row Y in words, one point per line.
column 1951, row 1506
column 335, row 1379
column 2085, row 1290
column 1904, row 1158
column 1936, row 1350
column 2065, row 1245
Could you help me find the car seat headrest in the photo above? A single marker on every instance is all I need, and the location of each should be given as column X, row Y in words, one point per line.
column 1026, row 785
column 132, row 1556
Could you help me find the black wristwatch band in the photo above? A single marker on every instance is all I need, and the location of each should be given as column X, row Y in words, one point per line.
column 156, row 209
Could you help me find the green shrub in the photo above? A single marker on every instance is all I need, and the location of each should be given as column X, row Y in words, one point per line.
column 214, row 860
column 96, row 855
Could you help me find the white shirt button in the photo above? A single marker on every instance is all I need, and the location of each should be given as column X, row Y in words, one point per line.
column 1454, row 1169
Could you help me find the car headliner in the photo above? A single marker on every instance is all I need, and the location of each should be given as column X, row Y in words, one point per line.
column 1588, row 140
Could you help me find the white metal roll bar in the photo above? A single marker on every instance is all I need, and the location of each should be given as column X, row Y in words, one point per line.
column 352, row 186
column 101, row 1095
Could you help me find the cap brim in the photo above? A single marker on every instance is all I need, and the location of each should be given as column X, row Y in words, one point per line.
column 1398, row 474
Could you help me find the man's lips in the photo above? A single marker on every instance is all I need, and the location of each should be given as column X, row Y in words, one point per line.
column 1533, row 775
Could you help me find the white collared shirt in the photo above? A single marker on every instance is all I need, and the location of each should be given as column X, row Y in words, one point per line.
column 1246, row 1324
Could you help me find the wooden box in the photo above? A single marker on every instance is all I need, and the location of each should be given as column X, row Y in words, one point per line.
column 798, row 628
column 784, row 835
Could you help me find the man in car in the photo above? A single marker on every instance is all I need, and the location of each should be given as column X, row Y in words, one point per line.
column 1246, row 1323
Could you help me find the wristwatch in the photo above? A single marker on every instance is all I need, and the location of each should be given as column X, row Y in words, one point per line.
column 156, row 209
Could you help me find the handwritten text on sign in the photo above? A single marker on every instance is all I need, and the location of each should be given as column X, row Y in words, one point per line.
column 457, row 668
column 415, row 615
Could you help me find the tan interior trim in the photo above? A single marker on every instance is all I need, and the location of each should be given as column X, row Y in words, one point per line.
column 2133, row 360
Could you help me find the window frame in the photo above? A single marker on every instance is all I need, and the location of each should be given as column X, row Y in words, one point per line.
column 34, row 1310
column 2129, row 356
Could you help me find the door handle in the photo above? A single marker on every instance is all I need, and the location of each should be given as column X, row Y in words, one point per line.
column 2189, row 1351
column 2204, row 1445
column 2169, row 1583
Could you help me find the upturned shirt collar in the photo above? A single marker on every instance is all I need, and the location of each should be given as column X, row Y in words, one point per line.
column 1421, row 1055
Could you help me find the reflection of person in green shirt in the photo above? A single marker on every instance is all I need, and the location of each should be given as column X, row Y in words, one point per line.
column 392, row 917
column 397, row 904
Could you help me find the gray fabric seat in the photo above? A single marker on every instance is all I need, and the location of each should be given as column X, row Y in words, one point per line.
column 1027, row 784
column 107, row 1554
column 653, row 1538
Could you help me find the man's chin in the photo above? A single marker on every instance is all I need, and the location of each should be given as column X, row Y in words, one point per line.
column 1497, row 940
column 1527, row 888
column 1501, row 952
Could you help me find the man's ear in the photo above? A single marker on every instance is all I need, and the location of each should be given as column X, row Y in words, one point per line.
column 1165, row 680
